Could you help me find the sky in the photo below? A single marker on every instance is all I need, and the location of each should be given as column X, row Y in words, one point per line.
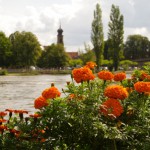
column 43, row 18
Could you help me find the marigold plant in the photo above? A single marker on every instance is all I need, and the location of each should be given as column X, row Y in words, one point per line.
column 82, row 74
column 105, row 75
column 51, row 93
column 40, row 102
column 120, row 76
column 90, row 65
column 116, row 92
column 111, row 108
column 142, row 86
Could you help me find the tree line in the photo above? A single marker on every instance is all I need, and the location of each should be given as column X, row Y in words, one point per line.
column 114, row 49
column 22, row 49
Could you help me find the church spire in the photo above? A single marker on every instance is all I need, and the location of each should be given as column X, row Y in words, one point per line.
column 59, row 35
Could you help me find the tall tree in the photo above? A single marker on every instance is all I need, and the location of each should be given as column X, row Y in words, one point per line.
column 26, row 49
column 97, row 36
column 5, row 51
column 137, row 47
column 115, row 35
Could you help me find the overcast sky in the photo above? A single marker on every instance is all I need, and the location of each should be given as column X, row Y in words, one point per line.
column 43, row 17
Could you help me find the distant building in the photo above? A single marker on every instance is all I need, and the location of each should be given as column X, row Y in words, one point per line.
column 60, row 36
column 73, row 55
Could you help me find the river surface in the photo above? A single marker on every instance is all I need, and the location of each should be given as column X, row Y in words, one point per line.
column 19, row 92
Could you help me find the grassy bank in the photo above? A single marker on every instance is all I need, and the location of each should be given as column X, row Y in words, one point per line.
column 36, row 72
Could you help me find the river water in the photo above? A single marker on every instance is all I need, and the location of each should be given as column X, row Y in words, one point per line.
column 19, row 92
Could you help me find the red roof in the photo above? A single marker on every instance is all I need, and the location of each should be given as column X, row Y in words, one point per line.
column 73, row 55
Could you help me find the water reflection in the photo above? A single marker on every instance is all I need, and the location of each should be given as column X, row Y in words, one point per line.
column 19, row 92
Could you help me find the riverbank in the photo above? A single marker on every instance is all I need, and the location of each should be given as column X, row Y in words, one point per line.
column 23, row 72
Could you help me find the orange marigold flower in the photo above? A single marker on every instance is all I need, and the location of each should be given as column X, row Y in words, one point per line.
column 35, row 115
column 21, row 111
column 2, row 114
column 90, row 65
column 51, row 92
column 147, row 78
column 42, row 140
column 2, row 120
column 10, row 112
column 142, row 86
column 2, row 128
column 143, row 75
column 111, row 108
column 40, row 102
column 116, row 92
column 119, row 76
column 71, row 96
column 105, row 75
column 82, row 74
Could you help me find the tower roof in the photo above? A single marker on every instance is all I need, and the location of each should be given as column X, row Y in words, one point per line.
column 60, row 29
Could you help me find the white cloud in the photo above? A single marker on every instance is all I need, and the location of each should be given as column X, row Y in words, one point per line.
column 42, row 18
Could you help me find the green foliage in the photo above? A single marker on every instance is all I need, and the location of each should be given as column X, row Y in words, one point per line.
column 88, row 55
column 147, row 63
column 127, row 63
column 97, row 36
column 3, row 72
column 54, row 56
column 25, row 48
column 5, row 52
column 137, row 47
column 75, row 62
column 115, row 36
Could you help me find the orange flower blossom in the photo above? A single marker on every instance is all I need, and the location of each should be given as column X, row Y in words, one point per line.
column 90, row 65
column 40, row 102
column 142, row 86
column 51, row 92
column 143, row 75
column 116, row 92
column 82, row 74
column 2, row 114
column 105, row 75
column 119, row 76
column 111, row 108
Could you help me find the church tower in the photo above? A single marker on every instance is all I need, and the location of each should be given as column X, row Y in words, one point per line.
column 60, row 36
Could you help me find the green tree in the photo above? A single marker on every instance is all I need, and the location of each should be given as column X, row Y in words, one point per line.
column 97, row 36
column 75, row 62
column 115, row 36
column 137, row 47
column 5, row 52
column 88, row 55
column 26, row 49
column 54, row 56
column 125, row 64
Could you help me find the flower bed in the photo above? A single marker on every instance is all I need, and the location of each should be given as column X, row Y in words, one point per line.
column 98, row 111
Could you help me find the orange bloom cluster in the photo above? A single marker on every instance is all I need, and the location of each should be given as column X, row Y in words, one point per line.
column 90, row 65
column 143, row 75
column 116, row 92
column 105, row 75
column 142, row 86
column 2, row 114
column 51, row 92
column 35, row 115
column 82, row 74
column 119, row 76
column 40, row 102
column 111, row 108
